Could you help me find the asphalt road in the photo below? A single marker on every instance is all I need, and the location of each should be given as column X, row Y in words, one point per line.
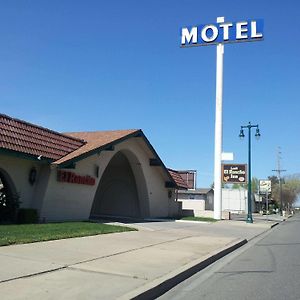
column 268, row 267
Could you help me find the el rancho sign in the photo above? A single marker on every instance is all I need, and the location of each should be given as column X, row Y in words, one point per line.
column 234, row 173
column 71, row 177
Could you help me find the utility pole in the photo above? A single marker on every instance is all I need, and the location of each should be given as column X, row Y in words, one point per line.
column 279, row 170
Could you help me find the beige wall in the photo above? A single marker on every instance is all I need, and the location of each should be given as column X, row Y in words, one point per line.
column 65, row 201
column 205, row 214
column 193, row 204
column 183, row 196
column 68, row 201
column 18, row 169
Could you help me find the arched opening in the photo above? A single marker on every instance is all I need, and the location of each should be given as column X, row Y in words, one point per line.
column 9, row 201
column 117, row 193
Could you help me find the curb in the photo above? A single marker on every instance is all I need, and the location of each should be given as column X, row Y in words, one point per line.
column 193, row 222
column 274, row 224
column 158, row 287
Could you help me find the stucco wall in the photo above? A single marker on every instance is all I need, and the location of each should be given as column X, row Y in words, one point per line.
column 193, row 204
column 159, row 203
column 74, row 201
column 18, row 169
column 205, row 214
column 69, row 201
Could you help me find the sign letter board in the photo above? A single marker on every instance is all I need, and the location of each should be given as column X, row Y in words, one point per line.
column 234, row 173
column 226, row 32
column 265, row 186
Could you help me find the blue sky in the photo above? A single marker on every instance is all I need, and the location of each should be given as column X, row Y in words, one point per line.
column 100, row 65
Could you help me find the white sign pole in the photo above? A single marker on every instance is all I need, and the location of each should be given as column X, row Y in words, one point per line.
column 218, row 131
column 245, row 31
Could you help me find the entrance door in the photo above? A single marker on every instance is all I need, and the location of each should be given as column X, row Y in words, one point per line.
column 117, row 192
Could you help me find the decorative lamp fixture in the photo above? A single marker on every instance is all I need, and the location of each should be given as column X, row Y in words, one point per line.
column 32, row 175
column 257, row 134
column 241, row 135
column 97, row 171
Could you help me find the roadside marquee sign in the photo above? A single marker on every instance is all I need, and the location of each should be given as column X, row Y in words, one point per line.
column 220, row 33
column 234, row 173
column 224, row 32
column 264, row 186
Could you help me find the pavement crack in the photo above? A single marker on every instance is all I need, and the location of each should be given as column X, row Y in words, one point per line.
column 106, row 273
column 33, row 274
column 92, row 259
column 131, row 250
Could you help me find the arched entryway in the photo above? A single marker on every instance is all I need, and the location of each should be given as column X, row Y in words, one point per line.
column 8, row 198
column 118, row 193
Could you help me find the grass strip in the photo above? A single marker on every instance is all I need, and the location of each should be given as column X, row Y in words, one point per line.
column 200, row 219
column 29, row 233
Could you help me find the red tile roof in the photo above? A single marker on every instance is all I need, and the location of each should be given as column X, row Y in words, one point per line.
column 95, row 140
column 23, row 137
column 181, row 184
column 20, row 136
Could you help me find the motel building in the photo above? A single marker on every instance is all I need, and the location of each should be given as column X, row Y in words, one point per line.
column 84, row 175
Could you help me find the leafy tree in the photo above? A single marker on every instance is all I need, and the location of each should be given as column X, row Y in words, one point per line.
column 274, row 180
column 236, row 186
column 8, row 205
column 212, row 186
column 290, row 191
column 254, row 185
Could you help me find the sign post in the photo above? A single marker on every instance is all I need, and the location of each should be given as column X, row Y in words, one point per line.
column 218, row 131
column 218, row 34
column 265, row 189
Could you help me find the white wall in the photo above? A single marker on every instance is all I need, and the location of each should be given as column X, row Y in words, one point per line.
column 209, row 203
column 234, row 200
column 193, row 204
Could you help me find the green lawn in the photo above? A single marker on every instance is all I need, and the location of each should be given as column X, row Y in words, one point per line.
column 202, row 219
column 29, row 233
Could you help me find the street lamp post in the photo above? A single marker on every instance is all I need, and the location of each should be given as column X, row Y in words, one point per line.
column 242, row 135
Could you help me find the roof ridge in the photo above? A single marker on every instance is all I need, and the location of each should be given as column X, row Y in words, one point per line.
column 34, row 141
column 41, row 127
column 33, row 135
column 94, row 131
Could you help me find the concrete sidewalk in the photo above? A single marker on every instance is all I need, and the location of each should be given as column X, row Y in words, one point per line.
column 126, row 265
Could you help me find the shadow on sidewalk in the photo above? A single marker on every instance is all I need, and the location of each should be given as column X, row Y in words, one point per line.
column 127, row 220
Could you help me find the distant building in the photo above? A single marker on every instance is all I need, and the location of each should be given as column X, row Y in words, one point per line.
column 195, row 202
column 190, row 177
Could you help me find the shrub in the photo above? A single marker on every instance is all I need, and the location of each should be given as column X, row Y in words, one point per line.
column 27, row 216
column 8, row 206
